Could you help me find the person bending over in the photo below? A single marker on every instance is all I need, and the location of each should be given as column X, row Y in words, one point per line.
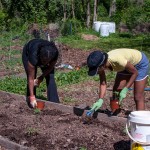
column 43, row 54
column 132, row 67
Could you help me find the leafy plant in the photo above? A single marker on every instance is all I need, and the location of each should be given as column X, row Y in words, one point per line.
column 70, row 27
column 68, row 100
column 31, row 131
column 116, row 94
column 71, row 77
column 83, row 148
column 37, row 111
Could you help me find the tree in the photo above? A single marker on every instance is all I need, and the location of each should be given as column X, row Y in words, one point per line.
column 112, row 9
column 65, row 12
column 95, row 11
column 88, row 14
column 72, row 6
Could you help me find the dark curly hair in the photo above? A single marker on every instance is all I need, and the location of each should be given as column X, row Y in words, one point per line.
column 48, row 53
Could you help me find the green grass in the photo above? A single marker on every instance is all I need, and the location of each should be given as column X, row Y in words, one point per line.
column 114, row 41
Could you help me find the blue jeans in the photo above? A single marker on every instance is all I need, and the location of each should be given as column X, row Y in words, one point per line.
column 142, row 67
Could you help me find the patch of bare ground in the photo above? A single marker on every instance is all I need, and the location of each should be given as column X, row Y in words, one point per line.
column 56, row 130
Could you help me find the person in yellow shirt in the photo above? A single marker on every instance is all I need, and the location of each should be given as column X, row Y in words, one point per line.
column 132, row 67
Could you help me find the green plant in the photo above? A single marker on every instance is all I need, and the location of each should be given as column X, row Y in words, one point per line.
column 31, row 131
column 116, row 94
column 70, row 27
column 71, row 77
column 68, row 100
column 37, row 111
column 83, row 148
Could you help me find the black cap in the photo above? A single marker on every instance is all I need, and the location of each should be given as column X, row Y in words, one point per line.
column 94, row 60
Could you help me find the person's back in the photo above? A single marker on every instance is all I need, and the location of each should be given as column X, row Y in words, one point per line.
column 40, row 53
column 118, row 58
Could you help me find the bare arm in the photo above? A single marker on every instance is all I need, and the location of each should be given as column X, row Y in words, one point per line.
column 31, row 74
column 103, row 84
column 49, row 69
column 129, row 67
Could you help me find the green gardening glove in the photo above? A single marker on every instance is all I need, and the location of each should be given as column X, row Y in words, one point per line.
column 97, row 105
column 123, row 94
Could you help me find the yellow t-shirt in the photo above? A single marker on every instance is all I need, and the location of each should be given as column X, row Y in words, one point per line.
column 118, row 58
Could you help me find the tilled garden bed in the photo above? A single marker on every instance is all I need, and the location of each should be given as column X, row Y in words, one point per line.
column 57, row 128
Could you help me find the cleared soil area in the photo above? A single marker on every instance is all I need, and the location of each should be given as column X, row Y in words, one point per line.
column 53, row 129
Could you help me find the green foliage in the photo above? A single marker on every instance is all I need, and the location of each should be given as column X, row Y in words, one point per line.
column 37, row 111
column 31, row 131
column 83, row 148
column 122, row 5
column 102, row 12
column 36, row 8
column 15, row 14
column 71, row 77
column 13, row 85
column 109, row 76
column 68, row 100
column 131, row 14
column 134, row 16
column 3, row 15
column 18, row 85
column 112, row 42
column 70, row 27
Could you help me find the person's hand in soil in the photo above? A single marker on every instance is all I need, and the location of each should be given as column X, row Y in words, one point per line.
column 122, row 94
column 33, row 103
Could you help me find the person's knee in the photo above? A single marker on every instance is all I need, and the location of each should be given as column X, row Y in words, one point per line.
column 139, row 97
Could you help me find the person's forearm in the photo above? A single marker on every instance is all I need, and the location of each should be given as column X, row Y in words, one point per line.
column 131, row 81
column 103, row 84
column 130, row 68
column 31, row 75
column 48, row 70
column 31, row 86
column 102, row 91
column 45, row 73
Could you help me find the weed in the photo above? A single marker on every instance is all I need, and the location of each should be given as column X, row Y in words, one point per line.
column 68, row 100
column 37, row 111
column 31, row 131
column 83, row 148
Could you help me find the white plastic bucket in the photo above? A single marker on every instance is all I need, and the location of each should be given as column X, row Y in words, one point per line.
column 104, row 30
column 96, row 25
column 112, row 27
column 139, row 123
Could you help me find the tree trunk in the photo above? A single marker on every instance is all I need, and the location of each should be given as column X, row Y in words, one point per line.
column 72, row 6
column 88, row 14
column 95, row 11
column 65, row 13
column 112, row 9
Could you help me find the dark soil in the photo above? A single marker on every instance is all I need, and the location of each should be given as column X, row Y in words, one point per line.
column 56, row 130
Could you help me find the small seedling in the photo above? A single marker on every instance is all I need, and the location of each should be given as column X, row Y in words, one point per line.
column 31, row 131
column 116, row 95
column 82, row 148
column 125, row 132
column 37, row 111
column 69, row 100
